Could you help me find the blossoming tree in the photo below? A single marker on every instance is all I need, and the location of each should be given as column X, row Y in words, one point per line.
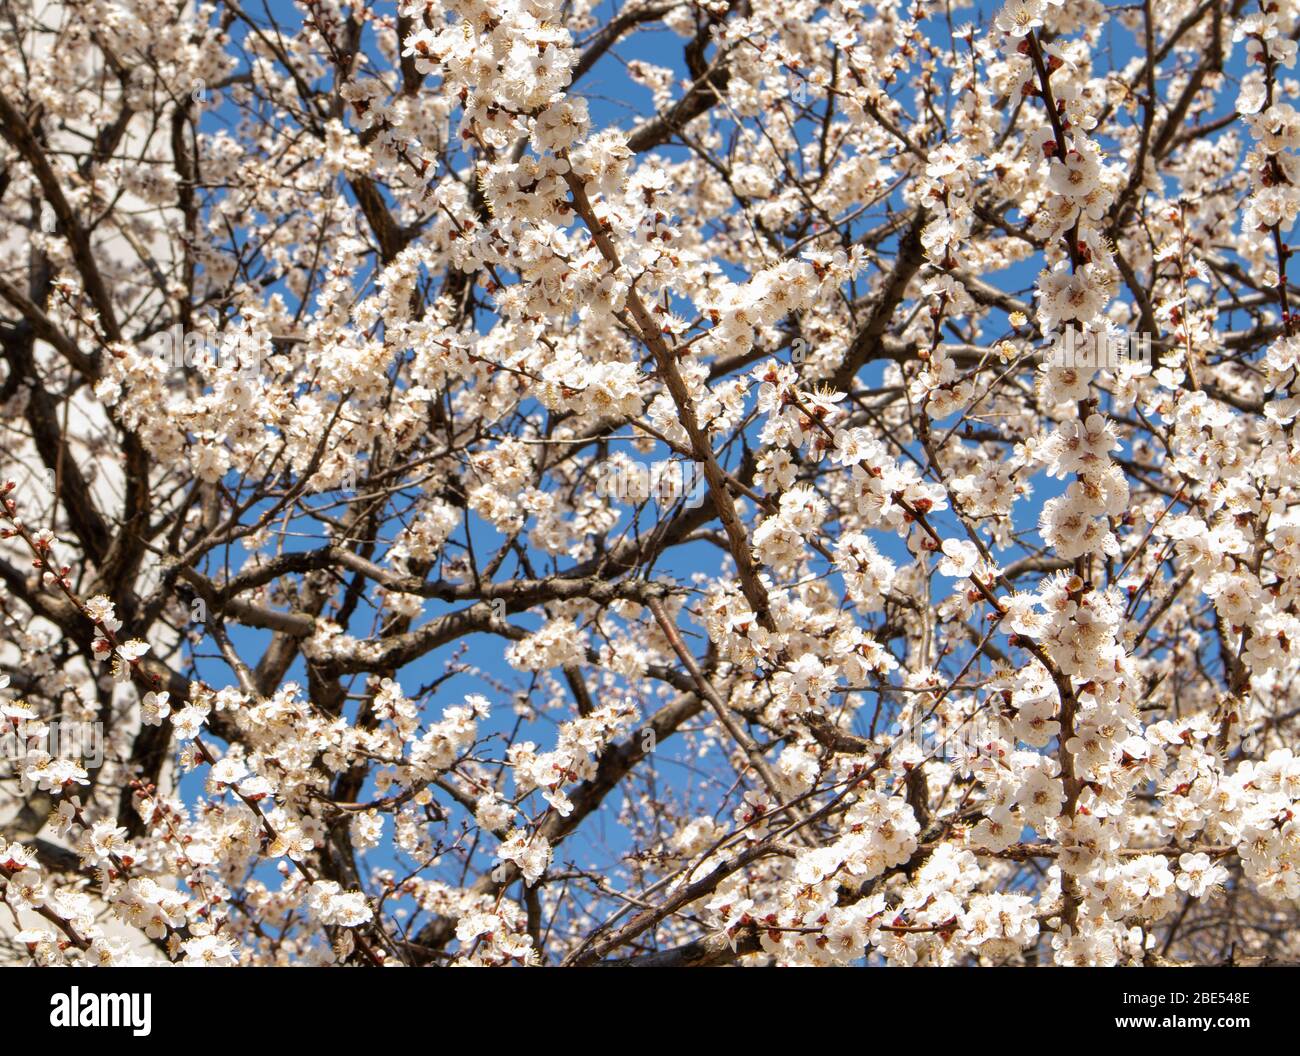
column 655, row 530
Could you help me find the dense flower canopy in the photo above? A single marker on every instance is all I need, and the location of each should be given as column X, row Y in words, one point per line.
column 517, row 482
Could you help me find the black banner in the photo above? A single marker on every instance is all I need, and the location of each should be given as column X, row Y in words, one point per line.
column 341, row 1006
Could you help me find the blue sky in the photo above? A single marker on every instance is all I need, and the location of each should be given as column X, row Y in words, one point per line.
column 612, row 98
